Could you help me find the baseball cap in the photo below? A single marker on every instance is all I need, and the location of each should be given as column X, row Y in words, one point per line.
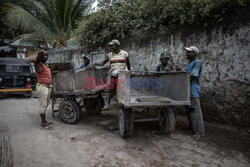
column 164, row 56
column 114, row 42
column 192, row 49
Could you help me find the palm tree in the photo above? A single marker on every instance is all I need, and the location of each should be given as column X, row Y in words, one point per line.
column 45, row 21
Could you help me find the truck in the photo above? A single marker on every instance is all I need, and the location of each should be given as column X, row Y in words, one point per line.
column 15, row 76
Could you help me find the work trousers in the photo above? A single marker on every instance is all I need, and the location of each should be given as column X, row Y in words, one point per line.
column 195, row 117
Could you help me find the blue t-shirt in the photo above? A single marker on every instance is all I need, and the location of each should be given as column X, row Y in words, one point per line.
column 84, row 66
column 195, row 68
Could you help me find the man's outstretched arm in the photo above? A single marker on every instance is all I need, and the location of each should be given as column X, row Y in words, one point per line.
column 103, row 62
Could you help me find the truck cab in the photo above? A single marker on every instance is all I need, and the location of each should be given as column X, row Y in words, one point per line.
column 15, row 76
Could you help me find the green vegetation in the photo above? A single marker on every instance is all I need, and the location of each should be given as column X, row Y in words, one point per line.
column 44, row 22
column 123, row 18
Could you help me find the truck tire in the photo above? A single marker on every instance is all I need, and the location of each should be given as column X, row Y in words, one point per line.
column 94, row 105
column 69, row 112
column 126, row 119
column 166, row 120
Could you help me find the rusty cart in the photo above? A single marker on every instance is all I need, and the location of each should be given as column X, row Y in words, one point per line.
column 75, row 89
column 148, row 91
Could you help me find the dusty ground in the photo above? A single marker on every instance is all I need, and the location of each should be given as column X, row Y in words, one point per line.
column 96, row 146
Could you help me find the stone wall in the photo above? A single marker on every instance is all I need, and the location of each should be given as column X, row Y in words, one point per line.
column 225, row 55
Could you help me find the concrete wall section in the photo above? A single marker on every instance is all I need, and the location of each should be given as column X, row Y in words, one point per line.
column 72, row 55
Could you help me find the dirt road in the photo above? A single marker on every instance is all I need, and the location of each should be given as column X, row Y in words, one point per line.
column 96, row 146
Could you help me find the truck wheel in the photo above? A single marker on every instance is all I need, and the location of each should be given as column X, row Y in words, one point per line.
column 126, row 119
column 69, row 112
column 166, row 120
column 94, row 105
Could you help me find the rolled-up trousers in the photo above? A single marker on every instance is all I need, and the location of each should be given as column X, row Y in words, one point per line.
column 43, row 92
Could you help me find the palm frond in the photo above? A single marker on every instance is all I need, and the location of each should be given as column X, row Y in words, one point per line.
column 75, row 10
column 79, row 7
column 33, row 40
column 17, row 16
column 41, row 9
column 45, row 20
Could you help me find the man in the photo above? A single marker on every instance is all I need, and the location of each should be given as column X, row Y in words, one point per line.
column 86, row 63
column 165, row 65
column 119, row 60
column 194, row 111
column 43, row 87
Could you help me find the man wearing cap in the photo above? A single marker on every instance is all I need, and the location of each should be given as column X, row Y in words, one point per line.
column 86, row 63
column 118, row 61
column 194, row 111
column 165, row 65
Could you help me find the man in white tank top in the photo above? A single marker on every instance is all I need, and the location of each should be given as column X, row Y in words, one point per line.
column 119, row 60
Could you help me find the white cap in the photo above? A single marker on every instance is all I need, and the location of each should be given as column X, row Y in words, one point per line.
column 192, row 49
column 114, row 42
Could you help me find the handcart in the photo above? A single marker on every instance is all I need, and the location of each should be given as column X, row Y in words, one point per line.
column 143, row 91
column 75, row 89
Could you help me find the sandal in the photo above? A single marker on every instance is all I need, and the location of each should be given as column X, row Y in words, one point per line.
column 198, row 136
column 113, row 128
column 49, row 123
column 47, row 126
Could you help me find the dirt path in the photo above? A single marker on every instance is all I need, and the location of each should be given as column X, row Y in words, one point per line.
column 95, row 146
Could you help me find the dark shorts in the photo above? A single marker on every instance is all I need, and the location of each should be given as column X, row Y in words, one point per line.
column 111, row 82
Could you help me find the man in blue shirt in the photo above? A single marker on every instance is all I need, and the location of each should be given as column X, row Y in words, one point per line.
column 86, row 63
column 194, row 111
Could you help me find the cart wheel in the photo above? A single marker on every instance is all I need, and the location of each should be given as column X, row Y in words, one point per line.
column 126, row 119
column 94, row 105
column 69, row 112
column 77, row 106
column 166, row 120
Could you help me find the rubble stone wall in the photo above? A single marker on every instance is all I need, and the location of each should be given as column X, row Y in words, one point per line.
column 225, row 56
